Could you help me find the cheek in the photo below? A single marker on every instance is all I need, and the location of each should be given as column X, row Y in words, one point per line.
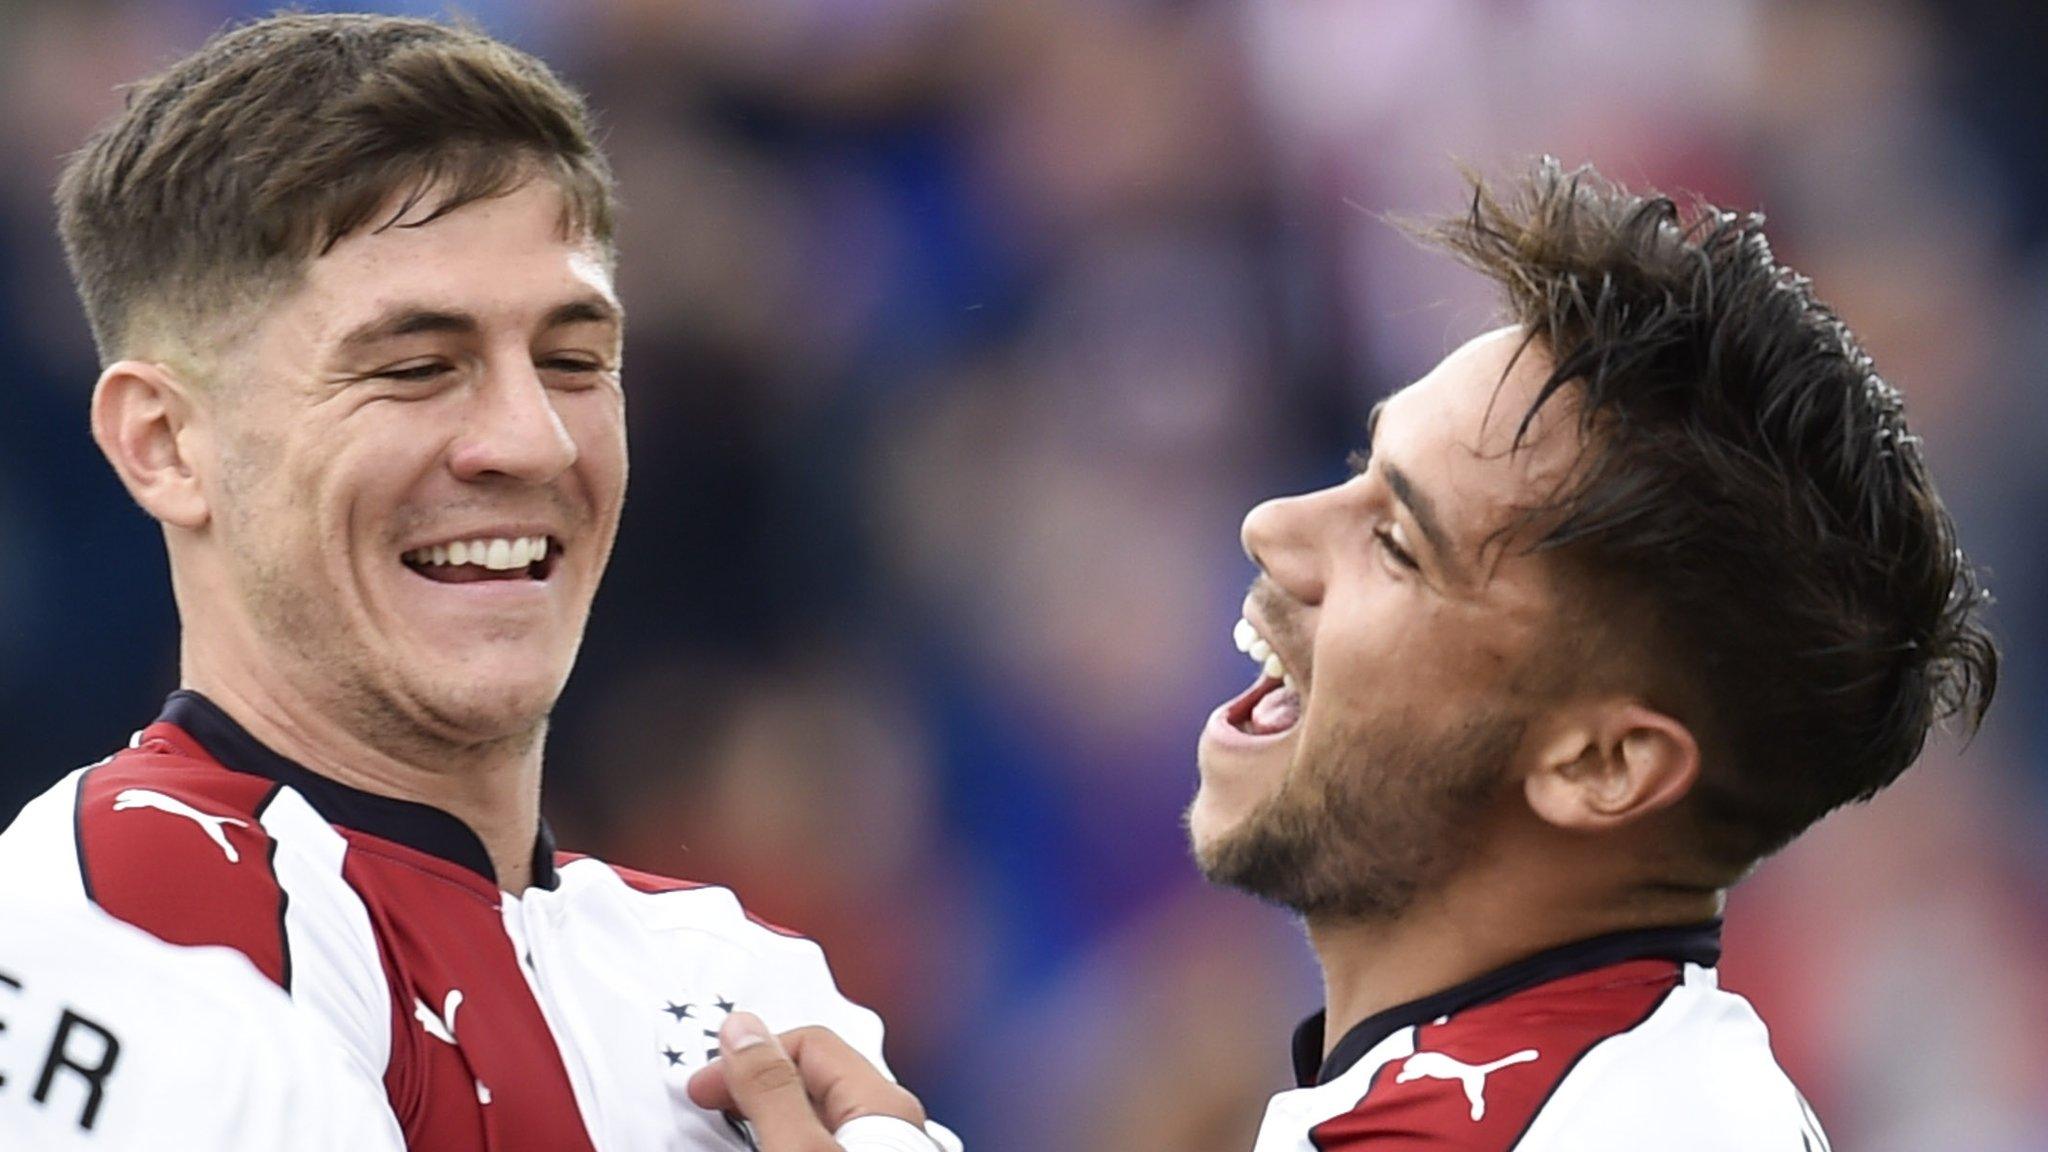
column 368, row 487
column 263, row 502
column 376, row 471
column 596, row 423
column 1405, row 654
column 251, row 460
column 1376, row 642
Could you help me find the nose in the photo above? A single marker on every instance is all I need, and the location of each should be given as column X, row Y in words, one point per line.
column 1280, row 537
column 513, row 429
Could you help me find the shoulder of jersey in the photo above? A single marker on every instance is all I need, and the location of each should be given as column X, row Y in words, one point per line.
column 707, row 906
column 112, row 970
column 1697, row 1076
column 671, row 926
column 171, row 842
column 1647, row 1053
column 1478, row 1079
column 195, row 1048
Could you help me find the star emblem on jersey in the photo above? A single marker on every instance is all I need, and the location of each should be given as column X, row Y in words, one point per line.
column 687, row 1010
column 128, row 799
column 1472, row 1077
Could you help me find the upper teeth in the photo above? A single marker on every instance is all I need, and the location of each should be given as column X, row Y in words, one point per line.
column 496, row 553
column 1255, row 646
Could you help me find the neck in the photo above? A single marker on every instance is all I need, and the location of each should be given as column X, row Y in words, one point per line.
column 493, row 787
column 1466, row 930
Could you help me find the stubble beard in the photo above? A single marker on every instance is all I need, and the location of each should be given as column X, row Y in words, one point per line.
column 329, row 665
column 326, row 663
column 1368, row 821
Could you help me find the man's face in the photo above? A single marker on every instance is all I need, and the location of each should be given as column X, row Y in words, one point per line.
column 1411, row 647
column 432, row 394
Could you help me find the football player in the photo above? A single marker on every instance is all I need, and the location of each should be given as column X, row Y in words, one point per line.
column 351, row 281
column 1620, row 598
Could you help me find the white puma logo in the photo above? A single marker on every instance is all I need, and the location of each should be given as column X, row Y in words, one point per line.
column 1437, row 1066
column 128, row 798
column 441, row 1027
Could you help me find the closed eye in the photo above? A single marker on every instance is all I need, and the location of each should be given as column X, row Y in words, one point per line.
column 1394, row 549
column 414, row 372
column 1360, row 462
column 573, row 373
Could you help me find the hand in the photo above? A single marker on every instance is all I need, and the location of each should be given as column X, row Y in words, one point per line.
column 798, row 1089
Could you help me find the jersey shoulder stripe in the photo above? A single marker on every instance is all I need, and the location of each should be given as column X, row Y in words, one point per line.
column 649, row 884
column 1699, row 1075
column 1476, row 1080
column 174, row 844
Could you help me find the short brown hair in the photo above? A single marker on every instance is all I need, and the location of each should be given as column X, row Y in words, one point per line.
column 1751, row 491
column 227, row 172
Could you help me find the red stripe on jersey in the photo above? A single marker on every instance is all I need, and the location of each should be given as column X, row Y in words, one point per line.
column 473, row 1062
column 654, row 885
column 171, row 843
column 1477, row 1080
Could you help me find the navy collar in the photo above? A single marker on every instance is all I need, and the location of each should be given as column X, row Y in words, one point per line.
column 1688, row 943
column 418, row 826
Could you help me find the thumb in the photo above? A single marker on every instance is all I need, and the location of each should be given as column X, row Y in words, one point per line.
column 755, row 1077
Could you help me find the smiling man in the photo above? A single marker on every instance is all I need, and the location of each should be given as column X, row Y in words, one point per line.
column 351, row 281
column 1620, row 599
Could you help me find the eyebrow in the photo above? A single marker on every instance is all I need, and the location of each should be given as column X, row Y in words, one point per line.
column 1418, row 503
column 408, row 322
column 583, row 310
column 414, row 321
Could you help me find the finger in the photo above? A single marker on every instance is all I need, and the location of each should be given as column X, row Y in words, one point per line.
column 757, row 1078
column 708, row 1089
column 841, row 1082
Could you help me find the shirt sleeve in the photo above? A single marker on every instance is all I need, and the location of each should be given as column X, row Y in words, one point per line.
column 118, row 1041
column 802, row 992
column 796, row 989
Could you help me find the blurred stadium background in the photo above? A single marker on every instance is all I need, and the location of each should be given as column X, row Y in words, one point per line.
column 964, row 331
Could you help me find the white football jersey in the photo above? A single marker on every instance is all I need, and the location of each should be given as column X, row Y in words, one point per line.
column 113, row 1041
column 566, row 1018
column 1619, row 1044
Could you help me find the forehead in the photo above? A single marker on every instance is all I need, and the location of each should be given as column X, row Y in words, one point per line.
column 503, row 258
column 1453, row 433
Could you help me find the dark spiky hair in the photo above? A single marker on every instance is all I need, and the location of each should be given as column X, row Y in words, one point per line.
column 1750, row 499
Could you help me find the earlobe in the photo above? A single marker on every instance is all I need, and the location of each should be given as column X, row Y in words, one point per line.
column 1613, row 767
column 142, row 421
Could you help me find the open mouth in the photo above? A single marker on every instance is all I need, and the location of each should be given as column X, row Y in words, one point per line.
column 499, row 558
column 1272, row 705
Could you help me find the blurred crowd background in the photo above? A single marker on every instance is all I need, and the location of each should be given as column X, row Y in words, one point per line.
column 963, row 334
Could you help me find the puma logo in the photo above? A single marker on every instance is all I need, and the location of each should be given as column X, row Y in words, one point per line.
column 441, row 1027
column 1437, row 1066
column 129, row 798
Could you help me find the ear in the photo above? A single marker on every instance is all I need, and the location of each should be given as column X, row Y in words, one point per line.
column 142, row 419
column 1611, row 765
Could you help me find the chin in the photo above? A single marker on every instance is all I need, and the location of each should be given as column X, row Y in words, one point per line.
column 1207, row 828
column 485, row 710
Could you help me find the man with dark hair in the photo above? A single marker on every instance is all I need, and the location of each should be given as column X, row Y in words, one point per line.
column 351, row 281
column 1619, row 600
